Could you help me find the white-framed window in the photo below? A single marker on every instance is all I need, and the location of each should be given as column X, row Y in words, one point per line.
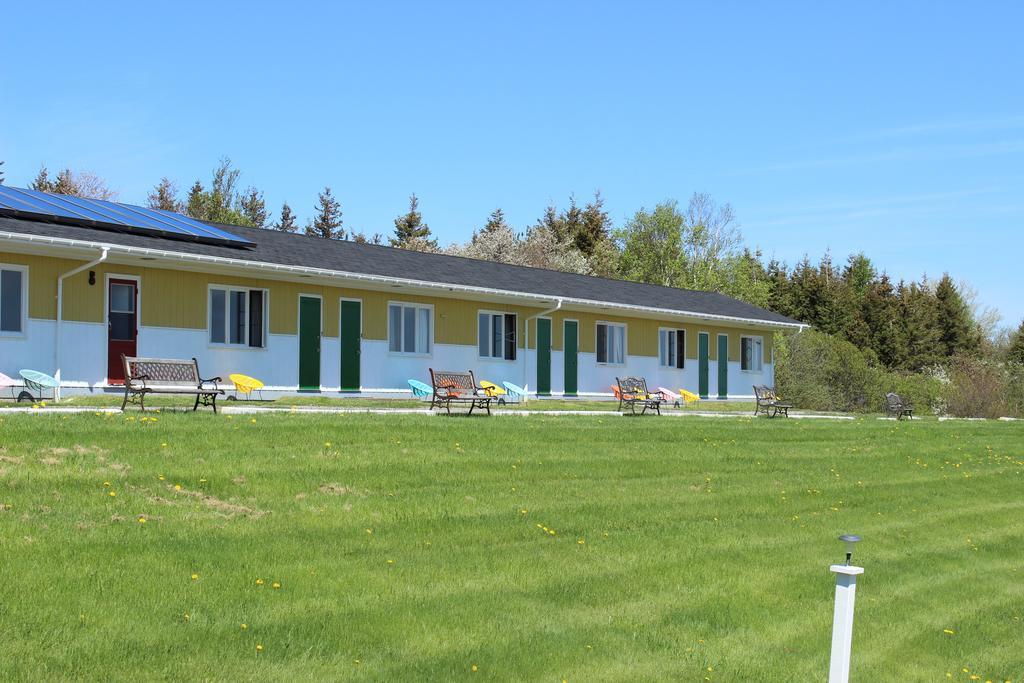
column 13, row 299
column 751, row 353
column 496, row 335
column 410, row 328
column 611, row 343
column 671, row 348
column 236, row 316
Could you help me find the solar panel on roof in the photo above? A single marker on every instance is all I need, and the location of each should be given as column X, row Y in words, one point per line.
column 98, row 213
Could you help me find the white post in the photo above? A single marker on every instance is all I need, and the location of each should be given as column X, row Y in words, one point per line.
column 842, row 622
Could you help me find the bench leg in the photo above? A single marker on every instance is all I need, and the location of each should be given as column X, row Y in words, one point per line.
column 125, row 401
column 142, row 402
column 196, row 406
column 213, row 403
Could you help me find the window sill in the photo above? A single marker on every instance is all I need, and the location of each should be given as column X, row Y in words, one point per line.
column 13, row 335
column 489, row 359
column 234, row 347
column 402, row 354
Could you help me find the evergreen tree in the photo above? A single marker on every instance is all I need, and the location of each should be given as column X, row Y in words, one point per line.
column 957, row 331
column 42, row 182
column 253, row 207
column 287, row 221
column 410, row 230
column 859, row 273
column 195, row 205
column 496, row 241
column 164, row 196
column 921, row 329
column 327, row 222
column 1015, row 352
column 883, row 316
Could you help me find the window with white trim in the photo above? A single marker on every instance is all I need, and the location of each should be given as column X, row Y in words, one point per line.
column 611, row 343
column 409, row 329
column 671, row 348
column 496, row 335
column 12, row 300
column 237, row 315
column 751, row 353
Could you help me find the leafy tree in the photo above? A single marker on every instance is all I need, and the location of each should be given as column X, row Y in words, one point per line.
column 651, row 245
column 221, row 203
column 164, row 196
column 710, row 236
column 287, row 221
column 957, row 331
column 496, row 241
column 410, row 230
column 746, row 278
column 253, row 207
column 544, row 248
column 327, row 222
column 1015, row 352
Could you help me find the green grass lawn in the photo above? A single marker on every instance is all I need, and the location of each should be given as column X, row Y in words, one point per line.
column 409, row 547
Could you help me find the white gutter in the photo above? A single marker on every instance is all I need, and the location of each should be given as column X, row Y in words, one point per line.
column 526, row 346
column 384, row 279
column 60, row 311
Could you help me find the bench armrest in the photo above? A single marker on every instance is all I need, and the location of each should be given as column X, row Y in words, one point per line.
column 212, row 380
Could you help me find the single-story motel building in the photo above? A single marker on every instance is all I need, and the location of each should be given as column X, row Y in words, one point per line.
column 81, row 286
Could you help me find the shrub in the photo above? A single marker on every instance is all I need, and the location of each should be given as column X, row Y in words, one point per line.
column 817, row 371
column 984, row 388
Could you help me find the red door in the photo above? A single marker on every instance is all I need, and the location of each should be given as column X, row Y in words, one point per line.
column 122, row 326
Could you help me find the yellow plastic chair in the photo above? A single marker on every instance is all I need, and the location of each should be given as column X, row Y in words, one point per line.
column 494, row 391
column 245, row 385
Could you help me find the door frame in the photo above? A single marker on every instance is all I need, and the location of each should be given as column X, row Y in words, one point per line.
column 298, row 337
column 362, row 307
column 564, row 321
column 137, row 279
column 718, row 349
column 704, row 364
column 536, row 351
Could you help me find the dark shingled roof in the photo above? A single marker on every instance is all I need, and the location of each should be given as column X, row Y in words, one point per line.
column 274, row 247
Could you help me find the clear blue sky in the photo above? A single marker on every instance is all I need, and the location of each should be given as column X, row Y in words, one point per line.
column 893, row 128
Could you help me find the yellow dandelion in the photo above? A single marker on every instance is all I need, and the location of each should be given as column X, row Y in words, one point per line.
column 177, row 487
column 112, row 494
column 202, row 481
column 327, row 444
column 276, row 584
column 106, row 483
column 245, row 626
column 163, row 445
column 949, row 631
column 369, row 531
column 391, row 561
column 142, row 520
column 195, row 577
column 582, row 541
column 473, row 668
column 186, row 616
column 259, row 648
column 523, row 511
column 253, row 420
column 160, row 477
column 259, row 582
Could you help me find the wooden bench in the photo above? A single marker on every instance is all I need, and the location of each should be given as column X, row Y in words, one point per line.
column 632, row 392
column 457, row 387
column 768, row 402
column 144, row 376
column 896, row 406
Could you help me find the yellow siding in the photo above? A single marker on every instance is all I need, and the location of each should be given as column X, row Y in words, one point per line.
column 179, row 299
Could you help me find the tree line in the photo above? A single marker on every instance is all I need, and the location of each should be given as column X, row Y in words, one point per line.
column 903, row 326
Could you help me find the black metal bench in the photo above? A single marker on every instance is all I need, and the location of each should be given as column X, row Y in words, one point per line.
column 768, row 402
column 633, row 392
column 896, row 407
column 143, row 376
column 457, row 387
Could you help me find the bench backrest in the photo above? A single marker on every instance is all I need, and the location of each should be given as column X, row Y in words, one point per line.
column 632, row 387
column 454, row 382
column 761, row 393
column 168, row 372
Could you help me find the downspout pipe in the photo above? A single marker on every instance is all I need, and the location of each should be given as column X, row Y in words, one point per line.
column 526, row 365
column 60, row 311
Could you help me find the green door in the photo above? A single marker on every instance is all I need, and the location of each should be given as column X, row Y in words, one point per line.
column 570, row 347
column 702, row 359
column 351, row 339
column 309, row 343
column 723, row 366
column 543, row 356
